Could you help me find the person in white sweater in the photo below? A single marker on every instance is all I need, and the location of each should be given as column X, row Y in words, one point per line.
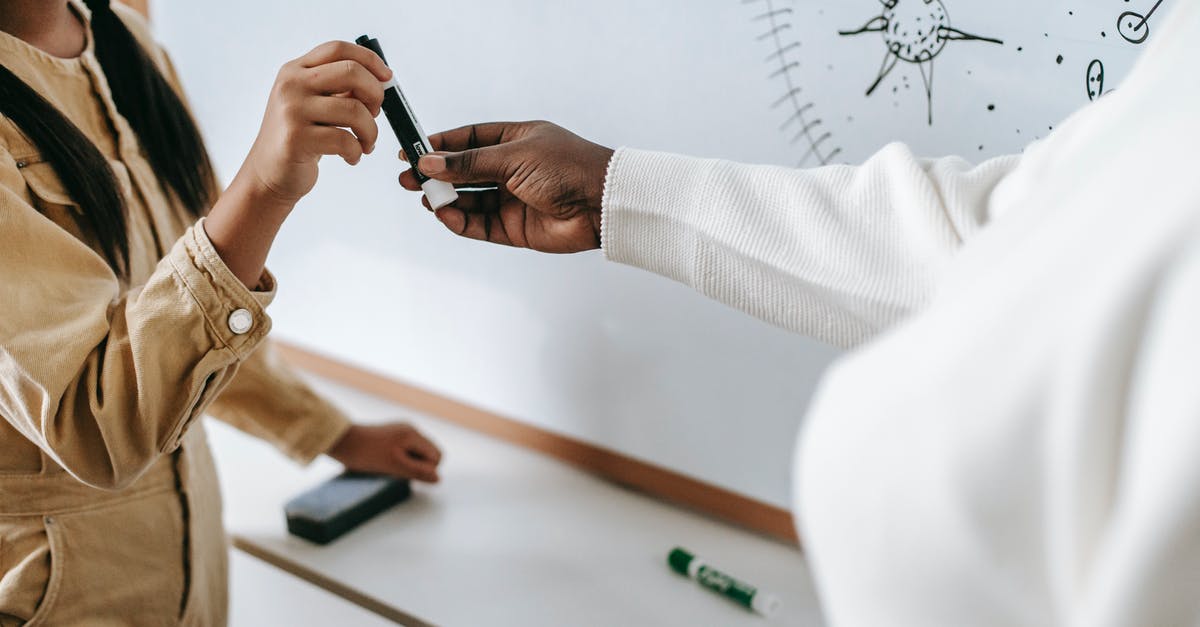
column 1015, row 437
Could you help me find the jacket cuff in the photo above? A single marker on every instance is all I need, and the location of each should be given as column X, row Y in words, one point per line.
column 651, row 210
column 235, row 316
column 317, row 431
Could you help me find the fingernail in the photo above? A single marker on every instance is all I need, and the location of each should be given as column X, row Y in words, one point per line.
column 432, row 164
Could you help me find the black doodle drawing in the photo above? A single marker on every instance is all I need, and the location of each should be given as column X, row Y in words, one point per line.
column 800, row 123
column 914, row 31
column 1095, row 79
column 1134, row 26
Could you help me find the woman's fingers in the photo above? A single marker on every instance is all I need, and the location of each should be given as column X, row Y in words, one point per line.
column 475, row 136
column 490, row 216
column 513, row 216
column 332, row 51
column 515, row 224
column 348, row 78
column 346, row 113
column 330, row 140
column 478, row 226
column 452, row 218
column 414, row 467
column 483, row 225
column 408, row 180
column 423, row 449
column 491, row 163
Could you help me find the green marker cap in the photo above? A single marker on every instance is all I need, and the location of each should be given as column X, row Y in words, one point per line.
column 679, row 560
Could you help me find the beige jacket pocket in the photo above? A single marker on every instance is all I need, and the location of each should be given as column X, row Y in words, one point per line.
column 47, row 188
column 119, row 564
column 27, row 583
column 47, row 194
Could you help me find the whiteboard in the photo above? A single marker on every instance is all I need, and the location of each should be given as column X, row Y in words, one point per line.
column 605, row 353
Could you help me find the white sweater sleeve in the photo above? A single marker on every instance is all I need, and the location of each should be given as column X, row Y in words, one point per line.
column 838, row 253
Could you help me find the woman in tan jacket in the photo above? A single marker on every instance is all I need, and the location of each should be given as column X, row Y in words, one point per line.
column 132, row 300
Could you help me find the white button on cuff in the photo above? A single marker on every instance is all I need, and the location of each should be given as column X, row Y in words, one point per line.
column 240, row 321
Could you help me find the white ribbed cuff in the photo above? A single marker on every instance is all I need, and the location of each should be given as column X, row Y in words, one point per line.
column 652, row 208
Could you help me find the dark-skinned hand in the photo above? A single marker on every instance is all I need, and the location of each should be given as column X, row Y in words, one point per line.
column 547, row 184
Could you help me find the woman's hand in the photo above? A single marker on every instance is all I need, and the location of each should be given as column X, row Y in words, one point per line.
column 396, row 449
column 549, row 184
column 323, row 103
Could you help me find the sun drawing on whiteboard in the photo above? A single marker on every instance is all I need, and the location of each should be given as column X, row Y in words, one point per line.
column 914, row 31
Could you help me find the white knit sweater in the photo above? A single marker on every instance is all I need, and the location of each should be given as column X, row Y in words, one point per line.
column 1015, row 439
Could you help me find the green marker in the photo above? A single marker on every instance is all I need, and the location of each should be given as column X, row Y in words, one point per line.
column 744, row 594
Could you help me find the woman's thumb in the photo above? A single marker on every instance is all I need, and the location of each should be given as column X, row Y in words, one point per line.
column 478, row 165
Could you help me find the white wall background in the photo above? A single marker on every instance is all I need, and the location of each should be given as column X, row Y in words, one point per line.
column 574, row 344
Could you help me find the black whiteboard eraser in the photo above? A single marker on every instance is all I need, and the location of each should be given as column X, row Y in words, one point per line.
column 326, row 512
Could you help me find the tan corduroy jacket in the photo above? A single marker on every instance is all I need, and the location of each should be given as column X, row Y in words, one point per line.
column 109, row 507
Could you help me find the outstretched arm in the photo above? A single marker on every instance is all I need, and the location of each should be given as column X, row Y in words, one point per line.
column 838, row 253
column 269, row 401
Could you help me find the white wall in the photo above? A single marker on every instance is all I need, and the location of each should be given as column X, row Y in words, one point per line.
column 606, row 353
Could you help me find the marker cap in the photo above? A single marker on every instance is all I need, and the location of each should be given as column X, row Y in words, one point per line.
column 679, row 559
column 765, row 603
column 439, row 193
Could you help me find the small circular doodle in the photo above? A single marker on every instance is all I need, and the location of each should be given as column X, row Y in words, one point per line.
column 1134, row 26
column 914, row 30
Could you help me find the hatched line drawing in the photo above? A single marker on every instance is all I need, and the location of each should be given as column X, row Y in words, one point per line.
column 800, row 124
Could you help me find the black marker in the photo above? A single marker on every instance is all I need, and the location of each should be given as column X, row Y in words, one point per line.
column 413, row 141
